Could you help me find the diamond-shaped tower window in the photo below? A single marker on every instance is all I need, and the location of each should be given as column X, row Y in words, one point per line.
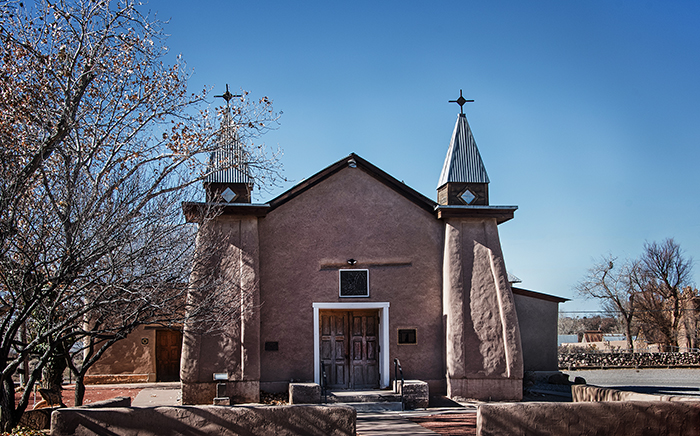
column 228, row 195
column 468, row 196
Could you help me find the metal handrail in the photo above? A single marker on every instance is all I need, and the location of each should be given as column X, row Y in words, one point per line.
column 324, row 382
column 397, row 371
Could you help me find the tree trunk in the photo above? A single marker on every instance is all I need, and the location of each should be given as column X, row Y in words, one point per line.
column 628, row 333
column 79, row 394
column 53, row 374
column 8, row 417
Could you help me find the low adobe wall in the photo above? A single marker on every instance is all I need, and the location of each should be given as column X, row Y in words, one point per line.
column 40, row 419
column 587, row 393
column 590, row 418
column 206, row 420
column 105, row 379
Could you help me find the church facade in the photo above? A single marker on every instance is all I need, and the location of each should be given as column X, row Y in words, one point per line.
column 350, row 269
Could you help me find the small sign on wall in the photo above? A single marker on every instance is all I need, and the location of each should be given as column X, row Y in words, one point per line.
column 354, row 283
column 407, row 337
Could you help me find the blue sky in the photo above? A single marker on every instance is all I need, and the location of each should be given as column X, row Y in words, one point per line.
column 587, row 114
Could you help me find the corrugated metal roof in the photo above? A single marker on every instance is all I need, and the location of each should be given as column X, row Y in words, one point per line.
column 463, row 162
column 512, row 278
column 228, row 163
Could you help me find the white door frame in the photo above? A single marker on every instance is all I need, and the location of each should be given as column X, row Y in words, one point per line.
column 383, row 336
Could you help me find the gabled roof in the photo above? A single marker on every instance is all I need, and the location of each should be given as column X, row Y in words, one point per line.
column 500, row 213
column 411, row 194
column 463, row 162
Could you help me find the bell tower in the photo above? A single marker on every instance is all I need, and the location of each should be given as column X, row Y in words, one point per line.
column 229, row 180
column 483, row 351
column 463, row 180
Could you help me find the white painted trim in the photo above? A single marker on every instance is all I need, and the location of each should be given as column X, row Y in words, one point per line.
column 383, row 335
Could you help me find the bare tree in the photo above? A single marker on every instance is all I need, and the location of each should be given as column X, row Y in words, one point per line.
column 664, row 271
column 611, row 282
column 98, row 141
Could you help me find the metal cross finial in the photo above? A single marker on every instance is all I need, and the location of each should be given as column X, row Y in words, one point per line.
column 460, row 101
column 227, row 95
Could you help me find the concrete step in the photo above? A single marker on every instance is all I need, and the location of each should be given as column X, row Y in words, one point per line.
column 376, row 406
column 376, row 396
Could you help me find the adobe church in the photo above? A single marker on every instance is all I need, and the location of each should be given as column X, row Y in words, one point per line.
column 352, row 268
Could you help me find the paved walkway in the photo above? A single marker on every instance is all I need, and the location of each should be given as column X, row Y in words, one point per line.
column 159, row 396
column 397, row 423
column 388, row 423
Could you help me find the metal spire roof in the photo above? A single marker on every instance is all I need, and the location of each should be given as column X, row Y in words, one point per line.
column 463, row 162
column 228, row 163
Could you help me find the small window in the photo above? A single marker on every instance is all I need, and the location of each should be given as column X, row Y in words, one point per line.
column 407, row 336
column 354, row 283
column 272, row 346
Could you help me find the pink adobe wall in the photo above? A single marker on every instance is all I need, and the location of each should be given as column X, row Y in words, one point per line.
column 129, row 356
column 305, row 241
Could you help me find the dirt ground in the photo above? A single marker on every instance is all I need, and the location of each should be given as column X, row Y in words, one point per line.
column 449, row 424
column 93, row 393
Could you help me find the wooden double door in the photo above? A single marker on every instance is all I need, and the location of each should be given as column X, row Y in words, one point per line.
column 350, row 348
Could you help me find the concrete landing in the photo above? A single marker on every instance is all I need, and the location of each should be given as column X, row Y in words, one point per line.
column 385, row 406
column 367, row 401
column 374, row 396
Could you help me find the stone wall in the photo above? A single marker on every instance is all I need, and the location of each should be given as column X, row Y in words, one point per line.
column 627, row 360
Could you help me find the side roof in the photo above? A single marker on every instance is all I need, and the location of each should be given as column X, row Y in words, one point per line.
column 538, row 295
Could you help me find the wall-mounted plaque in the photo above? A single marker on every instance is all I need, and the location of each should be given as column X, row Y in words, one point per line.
column 354, row 283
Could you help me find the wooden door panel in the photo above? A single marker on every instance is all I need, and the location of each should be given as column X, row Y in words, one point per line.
column 356, row 325
column 371, row 350
column 168, row 349
column 326, row 349
column 325, row 325
column 371, row 326
column 356, row 349
column 364, row 358
column 334, row 348
column 340, row 378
